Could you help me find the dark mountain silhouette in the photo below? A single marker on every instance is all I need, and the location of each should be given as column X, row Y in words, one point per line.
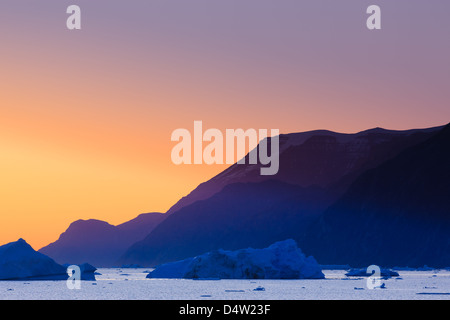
column 241, row 215
column 239, row 208
column 98, row 242
column 323, row 158
column 397, row 214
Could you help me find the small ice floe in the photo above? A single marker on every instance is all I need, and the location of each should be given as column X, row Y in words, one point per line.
column 381, row 286
column 424, row 268
column 259, row 288
column 434, row 293
column 384, row 273
column 335, row 266
column 403, row 269
column 131, row 266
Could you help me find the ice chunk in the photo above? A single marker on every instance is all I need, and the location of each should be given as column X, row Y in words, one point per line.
column 385, row 273
column 87, row 271
column 131, row 266
column 335, row 267
column 84, row 268
column 87, row 268
column 425, row 268
column 403, row 269
column 282, row 260
column 18, row 260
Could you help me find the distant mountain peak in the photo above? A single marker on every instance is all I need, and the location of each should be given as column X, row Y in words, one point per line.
column 98, row 242
column 91, row 222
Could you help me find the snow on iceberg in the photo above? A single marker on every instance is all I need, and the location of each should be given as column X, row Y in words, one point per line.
column 281, row 260
column 18, row 260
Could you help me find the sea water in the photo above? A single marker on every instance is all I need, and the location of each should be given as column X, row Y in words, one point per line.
column 130, row 284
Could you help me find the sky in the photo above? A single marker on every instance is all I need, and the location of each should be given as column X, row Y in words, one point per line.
column 86, row 115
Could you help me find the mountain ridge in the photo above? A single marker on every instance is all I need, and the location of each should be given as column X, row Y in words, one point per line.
column 289, row 143
column 320, row 160
column 98, row 242
column 395, row 214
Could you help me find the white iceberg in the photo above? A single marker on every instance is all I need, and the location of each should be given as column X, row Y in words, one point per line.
column 18, row 260
column 282, row 260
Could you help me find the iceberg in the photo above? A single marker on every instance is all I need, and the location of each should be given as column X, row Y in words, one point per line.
column 18, row 260
column 87, row 268
column 88, row 271
column 84, row 268
column 281, row 260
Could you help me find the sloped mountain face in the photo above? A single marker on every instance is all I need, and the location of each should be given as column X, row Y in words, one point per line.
column 239, row 208
column 397, row 214
column 322, row 158
column 241, row 215
column 98, row 242
column 142, row 225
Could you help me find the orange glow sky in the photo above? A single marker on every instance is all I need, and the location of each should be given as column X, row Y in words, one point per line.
column 86, row 116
